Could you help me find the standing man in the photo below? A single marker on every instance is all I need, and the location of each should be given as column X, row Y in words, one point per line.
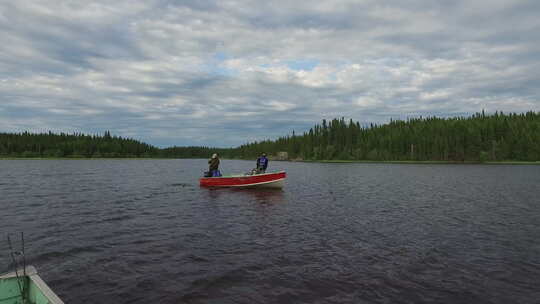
column 262, row 163
column 213, row 166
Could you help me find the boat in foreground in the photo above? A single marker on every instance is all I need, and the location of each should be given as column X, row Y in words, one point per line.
column 266, row 180
column 26, row 287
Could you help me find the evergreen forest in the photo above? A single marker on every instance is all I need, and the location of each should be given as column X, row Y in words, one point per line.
column 72, row 145
column 481, row 137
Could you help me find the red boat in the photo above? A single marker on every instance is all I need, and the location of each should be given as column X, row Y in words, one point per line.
column 267, row 180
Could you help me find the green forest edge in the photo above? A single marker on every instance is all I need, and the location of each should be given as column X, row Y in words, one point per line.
column 496, row 138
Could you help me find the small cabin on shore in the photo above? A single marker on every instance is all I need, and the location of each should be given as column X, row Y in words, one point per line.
column 282, row 156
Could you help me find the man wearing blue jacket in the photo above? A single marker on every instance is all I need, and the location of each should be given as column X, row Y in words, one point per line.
column 262, row 163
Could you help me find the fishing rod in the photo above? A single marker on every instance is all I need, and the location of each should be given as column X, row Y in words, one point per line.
column 16, row 265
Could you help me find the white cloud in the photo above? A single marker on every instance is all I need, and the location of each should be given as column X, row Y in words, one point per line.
column 439, row 94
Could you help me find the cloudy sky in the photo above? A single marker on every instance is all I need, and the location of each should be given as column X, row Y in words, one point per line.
column 223, row 73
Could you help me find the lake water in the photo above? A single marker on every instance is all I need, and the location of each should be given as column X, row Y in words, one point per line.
column 139, row 231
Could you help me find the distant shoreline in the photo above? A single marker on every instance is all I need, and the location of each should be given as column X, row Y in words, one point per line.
column 410, row 162
column 427, row 162
column 79, row 158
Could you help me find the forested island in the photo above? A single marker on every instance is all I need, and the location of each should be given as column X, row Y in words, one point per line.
column 481, row 137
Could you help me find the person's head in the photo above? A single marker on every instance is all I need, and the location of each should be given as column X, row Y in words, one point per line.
column 214, row 155
column 263, row 154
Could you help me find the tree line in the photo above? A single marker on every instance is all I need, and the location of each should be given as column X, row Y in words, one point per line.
column 78, row 145
column 72, row 145
column 480, row 137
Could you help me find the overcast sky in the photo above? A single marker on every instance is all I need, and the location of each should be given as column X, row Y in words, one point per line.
column 223, row 73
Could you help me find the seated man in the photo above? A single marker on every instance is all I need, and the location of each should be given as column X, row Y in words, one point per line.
column 262, row 163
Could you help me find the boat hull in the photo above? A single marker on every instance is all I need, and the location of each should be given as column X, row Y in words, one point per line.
column 35, row 289
column 266, row 180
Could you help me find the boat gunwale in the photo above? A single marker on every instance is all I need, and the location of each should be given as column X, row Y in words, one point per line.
column 255, row 184
column 32, row 275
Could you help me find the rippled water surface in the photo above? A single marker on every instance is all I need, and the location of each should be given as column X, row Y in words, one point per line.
column 139, row 231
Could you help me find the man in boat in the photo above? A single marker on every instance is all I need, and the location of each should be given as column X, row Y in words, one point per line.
column 262, row 163
column 213, row 166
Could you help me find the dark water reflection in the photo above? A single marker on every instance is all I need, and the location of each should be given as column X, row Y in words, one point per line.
column 134, row 231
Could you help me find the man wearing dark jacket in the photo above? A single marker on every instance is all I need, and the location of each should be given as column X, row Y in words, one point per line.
column 213, row 166
column 262, row 163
